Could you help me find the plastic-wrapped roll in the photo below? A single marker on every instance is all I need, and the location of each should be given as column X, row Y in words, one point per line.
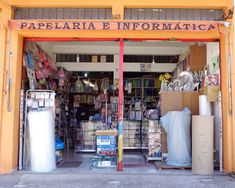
column 202, row 144
column 42, row 141
column 204, row 106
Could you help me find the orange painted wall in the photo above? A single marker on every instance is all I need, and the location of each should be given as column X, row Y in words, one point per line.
column 231, row 45
column 126, row 3
column 9, row 121
column 227, row 118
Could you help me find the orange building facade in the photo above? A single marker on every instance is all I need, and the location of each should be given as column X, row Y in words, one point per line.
column 13, row 30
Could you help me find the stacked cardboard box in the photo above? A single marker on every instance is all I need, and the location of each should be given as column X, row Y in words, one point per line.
column 177, row 101
column 106, row 145
column 154, row 139
column 106, row 149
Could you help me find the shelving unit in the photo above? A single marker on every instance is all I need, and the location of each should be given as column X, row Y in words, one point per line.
column 154, row 152
column 132, row 148
column 146, row 89
column 87, row 137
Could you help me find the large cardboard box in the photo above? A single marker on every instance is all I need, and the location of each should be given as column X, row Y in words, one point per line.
column 212, row 93
column 106, row 149
column 106, row 144
column 177, row 101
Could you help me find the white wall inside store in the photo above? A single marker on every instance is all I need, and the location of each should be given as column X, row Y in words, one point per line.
column 47, row 47
column 131, row 48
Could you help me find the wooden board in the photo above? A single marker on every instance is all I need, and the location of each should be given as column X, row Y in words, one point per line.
column 197, row 57
column 163, row 166
column 178, row 100
column 106, row 132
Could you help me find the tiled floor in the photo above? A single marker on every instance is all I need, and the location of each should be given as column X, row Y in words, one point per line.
column 132, row 161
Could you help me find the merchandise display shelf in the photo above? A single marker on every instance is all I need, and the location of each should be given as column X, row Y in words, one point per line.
column 132, row 148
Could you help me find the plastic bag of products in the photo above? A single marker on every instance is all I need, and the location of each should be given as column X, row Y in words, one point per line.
column 177, row 127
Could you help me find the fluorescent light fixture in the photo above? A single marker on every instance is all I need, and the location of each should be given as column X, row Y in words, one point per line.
column 88, row 82
column 77, row 58
column 155, row 10
column 153, row 60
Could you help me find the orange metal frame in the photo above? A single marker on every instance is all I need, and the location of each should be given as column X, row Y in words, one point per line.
column 10, row 153
column 9, row 121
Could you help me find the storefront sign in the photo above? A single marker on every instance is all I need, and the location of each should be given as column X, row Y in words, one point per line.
column 112, row 25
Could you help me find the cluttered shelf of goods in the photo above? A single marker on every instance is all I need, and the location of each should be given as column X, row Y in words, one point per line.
column 83, row 105
column 160, row 110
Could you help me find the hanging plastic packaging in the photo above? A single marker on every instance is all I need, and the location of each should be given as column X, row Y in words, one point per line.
column 177, row 127
column 42, row 141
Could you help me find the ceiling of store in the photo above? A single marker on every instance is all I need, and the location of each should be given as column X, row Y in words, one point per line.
column 127, row 43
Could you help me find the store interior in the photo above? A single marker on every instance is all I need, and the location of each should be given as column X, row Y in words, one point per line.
column 83, row 79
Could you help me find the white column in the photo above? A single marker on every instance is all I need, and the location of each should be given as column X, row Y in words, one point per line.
column 116, row 67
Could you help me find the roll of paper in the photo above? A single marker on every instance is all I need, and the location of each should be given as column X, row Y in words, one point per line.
column 202, row 145
column 204, row 106
column 42, row 141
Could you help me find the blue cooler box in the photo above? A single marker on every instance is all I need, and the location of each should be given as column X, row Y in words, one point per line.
column 106, row 145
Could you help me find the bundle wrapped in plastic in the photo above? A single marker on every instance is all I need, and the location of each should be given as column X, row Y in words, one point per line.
column 177, row 127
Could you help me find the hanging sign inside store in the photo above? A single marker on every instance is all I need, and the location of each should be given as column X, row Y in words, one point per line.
column 112, row 25
column 145, row 67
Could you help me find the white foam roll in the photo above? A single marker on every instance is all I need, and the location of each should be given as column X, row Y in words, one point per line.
column 204, row 106
column 42, row 141
column 202, row 144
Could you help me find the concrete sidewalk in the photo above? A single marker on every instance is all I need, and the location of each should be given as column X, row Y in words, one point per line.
column 116, row 180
